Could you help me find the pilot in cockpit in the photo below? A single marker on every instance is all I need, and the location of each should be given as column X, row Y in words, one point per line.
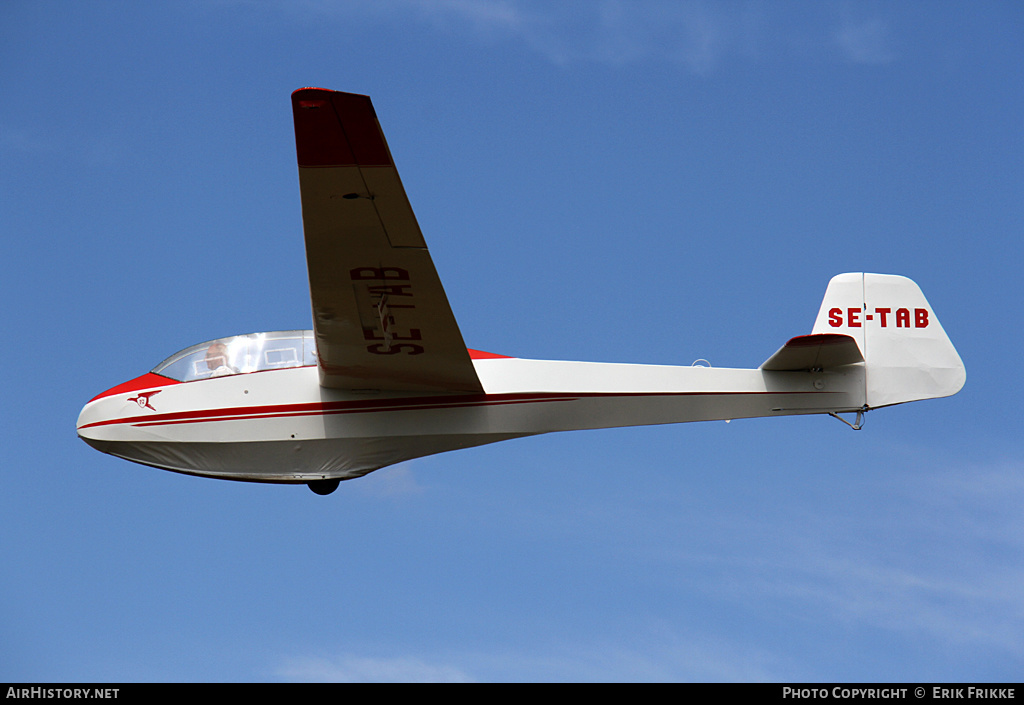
column 217, row 361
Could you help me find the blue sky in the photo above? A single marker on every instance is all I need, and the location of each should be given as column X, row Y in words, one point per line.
column 613, row 181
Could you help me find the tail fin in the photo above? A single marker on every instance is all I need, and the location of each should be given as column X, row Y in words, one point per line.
column 907, row 353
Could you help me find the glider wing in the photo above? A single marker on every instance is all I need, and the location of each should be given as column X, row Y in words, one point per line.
column 380, row 314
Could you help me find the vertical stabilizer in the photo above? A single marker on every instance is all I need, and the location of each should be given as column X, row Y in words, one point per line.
column 907, row 353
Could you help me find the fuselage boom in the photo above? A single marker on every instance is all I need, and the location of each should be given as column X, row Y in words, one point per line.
column 283, row 426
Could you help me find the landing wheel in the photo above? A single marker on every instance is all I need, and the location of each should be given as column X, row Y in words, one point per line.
column 324, row 486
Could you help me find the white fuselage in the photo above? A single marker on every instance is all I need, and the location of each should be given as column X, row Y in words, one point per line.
column 282, row 426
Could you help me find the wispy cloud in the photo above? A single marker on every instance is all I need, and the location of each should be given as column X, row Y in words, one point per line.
column 393, row 480
column 929, row 558
column 698, row 36
column 485, row 15
column 866, row 42
column 654, row 653
column 362, row 669
column 694, row 34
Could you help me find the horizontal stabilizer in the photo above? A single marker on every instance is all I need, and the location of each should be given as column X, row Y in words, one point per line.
column 814, row 352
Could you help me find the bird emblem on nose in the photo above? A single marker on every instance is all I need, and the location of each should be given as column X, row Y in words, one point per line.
column 143, row 399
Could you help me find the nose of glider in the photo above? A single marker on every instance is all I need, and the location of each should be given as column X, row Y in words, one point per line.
column 88, row 426
column 93, row 421
column 96, row 414
column 102, row 414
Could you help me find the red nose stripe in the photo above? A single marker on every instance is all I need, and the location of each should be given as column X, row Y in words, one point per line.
column 146, row 381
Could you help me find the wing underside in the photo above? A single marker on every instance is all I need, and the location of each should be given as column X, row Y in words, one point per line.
column 380, row 314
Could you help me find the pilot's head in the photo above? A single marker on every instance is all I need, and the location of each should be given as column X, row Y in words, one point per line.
column 217, row 356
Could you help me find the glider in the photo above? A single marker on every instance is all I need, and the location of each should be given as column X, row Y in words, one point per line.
column 385, row 376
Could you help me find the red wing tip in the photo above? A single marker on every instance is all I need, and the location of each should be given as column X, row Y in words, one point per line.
column 481, row 355
column 323, row 90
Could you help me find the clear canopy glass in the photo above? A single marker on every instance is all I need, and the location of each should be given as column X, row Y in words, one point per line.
column 241, row 354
